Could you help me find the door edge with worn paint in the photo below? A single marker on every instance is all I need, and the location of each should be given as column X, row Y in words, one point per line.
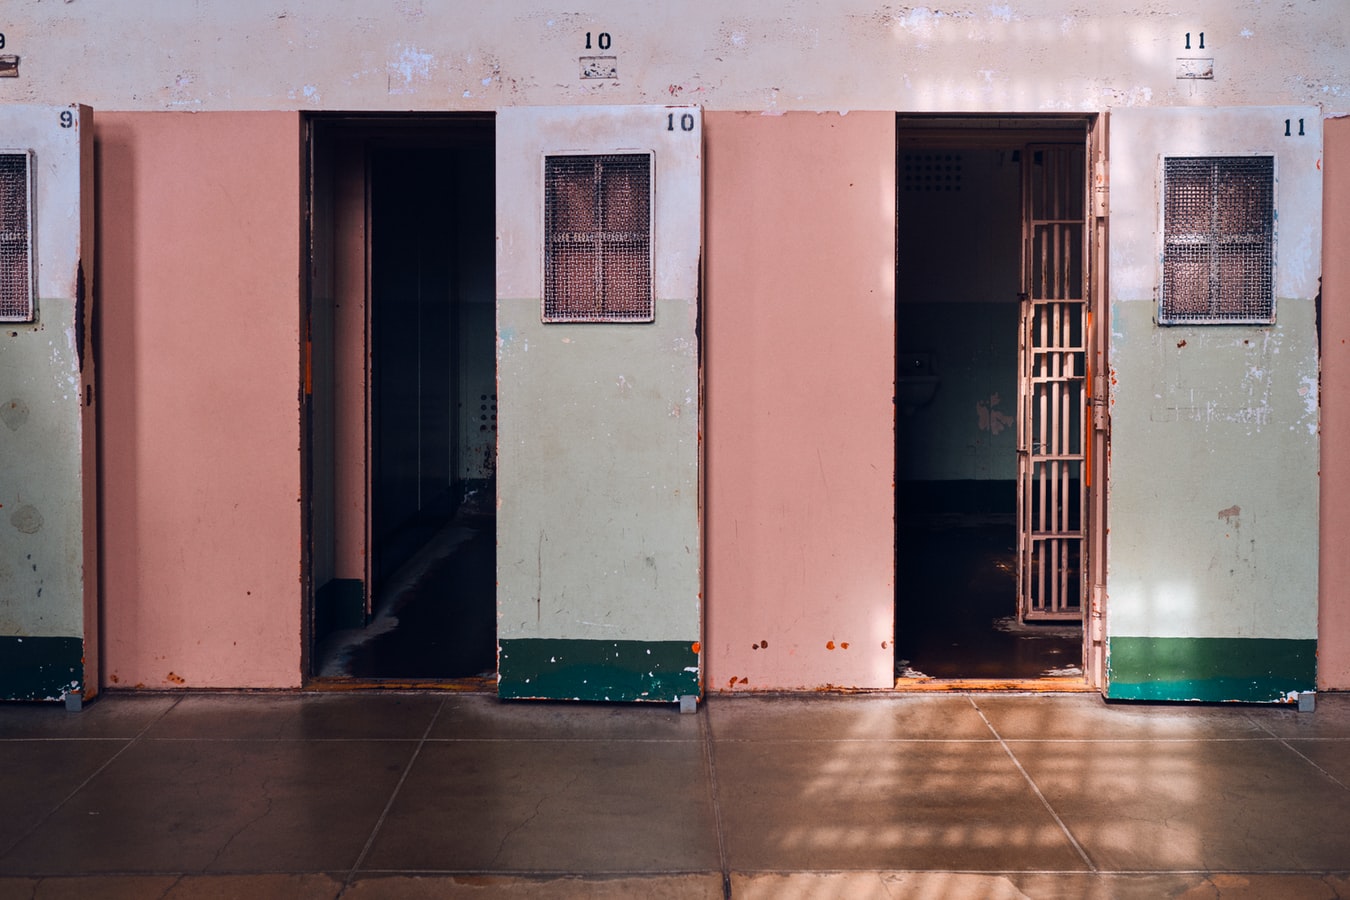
column 49, row 633
column 599, row 561
column 1213, row 531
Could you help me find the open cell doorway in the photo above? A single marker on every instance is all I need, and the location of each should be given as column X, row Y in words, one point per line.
column 400, row 390
column 993, row 437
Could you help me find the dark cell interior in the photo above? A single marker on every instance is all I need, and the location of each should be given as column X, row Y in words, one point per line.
column 958, row 281
column 956, row 607
column 429, row 220
column 435, row 618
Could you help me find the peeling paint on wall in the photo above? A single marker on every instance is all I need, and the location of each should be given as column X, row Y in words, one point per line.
column 1032, row 55
column 1214, row 456
column 990, row 418
column 409, row 69
column 46, row 482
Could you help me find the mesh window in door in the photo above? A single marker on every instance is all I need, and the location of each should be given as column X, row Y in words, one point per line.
column 1218, row 236
column 598, row 238
column 16, row 238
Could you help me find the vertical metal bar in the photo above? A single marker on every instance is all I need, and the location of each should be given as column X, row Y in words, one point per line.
column 1058, row 406
column 1050, row 599
column 1038, row 570
column 1063, row 367
column 1043, row 439
column 1065, row 414
column 1047, row 527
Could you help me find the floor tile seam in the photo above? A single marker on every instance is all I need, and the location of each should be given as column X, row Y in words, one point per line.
column 996, row 740
column 1092, row 873
column 1292, row 749
column 6, row 849
column 1040, row 795
column 657, row 872
column 705, row 728
column 1310, row 761
column 1276, row 739
column 549, row 740
column 279, row 740
column 337, row 874
column 1314, row 739
column 59, row 740
column 774, row 740
column 767, row 870
column 545, row 873
column 389, row 804
column 1146, row 740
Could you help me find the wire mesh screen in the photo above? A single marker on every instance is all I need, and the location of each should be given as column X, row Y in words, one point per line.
column 597, row 238
column 16, row 248
column 1218, row 233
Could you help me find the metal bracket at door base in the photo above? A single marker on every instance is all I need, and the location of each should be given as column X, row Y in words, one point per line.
column 1097, row 619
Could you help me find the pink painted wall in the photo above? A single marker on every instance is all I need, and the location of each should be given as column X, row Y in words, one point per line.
column 1333, row 656
column 799, row 365
column 199, row 265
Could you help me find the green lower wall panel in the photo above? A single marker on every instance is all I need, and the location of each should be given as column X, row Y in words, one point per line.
column 40, row 668
column 1249, row 670
column 557, row 669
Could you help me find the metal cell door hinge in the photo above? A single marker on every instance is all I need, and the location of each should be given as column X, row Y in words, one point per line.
column 1100, row 416
column 1101, row 194
column 1097, row 615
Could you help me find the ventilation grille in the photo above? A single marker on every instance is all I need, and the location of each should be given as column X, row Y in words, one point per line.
column 598, row 238
column 1218, row 231
column 932, row 172
column 16, row 244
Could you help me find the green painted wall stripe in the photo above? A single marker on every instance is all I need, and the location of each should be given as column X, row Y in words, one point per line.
column 557, row 669
column 1252, row 670
column 40, row 668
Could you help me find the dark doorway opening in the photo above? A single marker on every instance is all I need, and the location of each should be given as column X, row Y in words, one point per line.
column 955, row 615
column 401, row 398
column 959, row 280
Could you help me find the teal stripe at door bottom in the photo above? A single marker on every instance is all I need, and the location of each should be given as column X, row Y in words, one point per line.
column 40, row 668
column 561, row 669
column 1251, row 670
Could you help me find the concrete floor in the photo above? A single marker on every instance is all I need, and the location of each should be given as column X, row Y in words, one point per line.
column 411, row 795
